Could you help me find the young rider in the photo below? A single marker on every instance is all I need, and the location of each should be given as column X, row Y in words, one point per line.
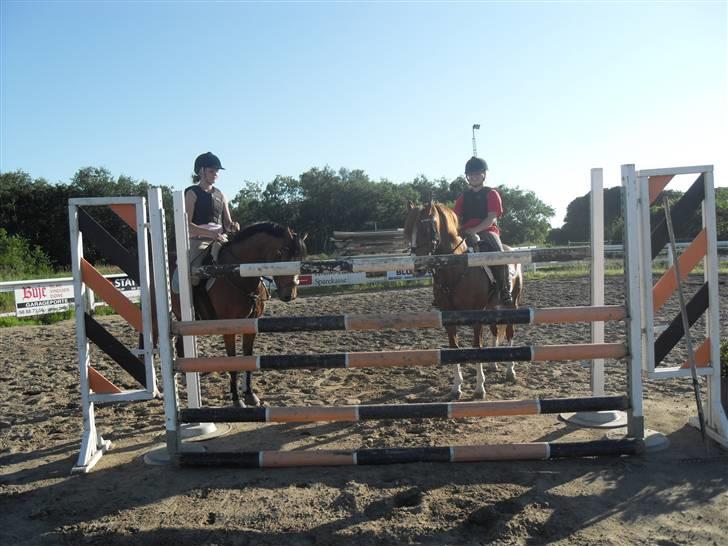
column 478, row 209
column 207, row 210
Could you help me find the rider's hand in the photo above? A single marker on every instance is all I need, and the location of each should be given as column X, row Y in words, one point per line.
column 222, row 238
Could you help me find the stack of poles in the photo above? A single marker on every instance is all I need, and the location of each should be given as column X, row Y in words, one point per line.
column 95, row 388
column 397, row 358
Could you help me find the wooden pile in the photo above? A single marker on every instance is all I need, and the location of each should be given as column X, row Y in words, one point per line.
column 357, row 243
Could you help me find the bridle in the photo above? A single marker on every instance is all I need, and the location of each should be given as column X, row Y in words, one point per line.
column 434, row 238
column 435, row 241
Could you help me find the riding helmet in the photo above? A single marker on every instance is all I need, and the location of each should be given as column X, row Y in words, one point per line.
column 207, row 160
column 475, row 165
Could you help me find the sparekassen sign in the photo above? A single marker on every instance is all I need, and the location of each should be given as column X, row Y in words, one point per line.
column 41, row 300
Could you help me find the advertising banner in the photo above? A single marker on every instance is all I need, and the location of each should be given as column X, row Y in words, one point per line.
column 41, row 300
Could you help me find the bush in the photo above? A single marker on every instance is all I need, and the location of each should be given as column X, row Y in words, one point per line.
column 21, row 260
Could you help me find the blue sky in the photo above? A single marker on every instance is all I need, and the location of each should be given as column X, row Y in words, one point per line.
column 392, row 88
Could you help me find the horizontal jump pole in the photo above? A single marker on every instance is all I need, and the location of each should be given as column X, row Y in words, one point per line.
column 388, row 359
column 434, row 410
column 451, row 454
column 394, row 263
column 428, row 319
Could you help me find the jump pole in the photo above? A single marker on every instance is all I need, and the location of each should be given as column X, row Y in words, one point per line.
column 424, row 319
column 393, row 263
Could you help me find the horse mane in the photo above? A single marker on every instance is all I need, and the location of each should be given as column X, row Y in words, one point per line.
column 297, row 246
column 452, row 224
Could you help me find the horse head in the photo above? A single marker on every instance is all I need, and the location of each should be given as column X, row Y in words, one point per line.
column 268, row 242
column 292, row 248
column 422, row 228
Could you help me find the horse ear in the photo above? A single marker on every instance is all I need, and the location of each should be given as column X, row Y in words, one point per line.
column 410, row 205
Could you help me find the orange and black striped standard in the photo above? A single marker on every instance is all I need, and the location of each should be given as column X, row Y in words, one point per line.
column 433, row 410
column 381, row 456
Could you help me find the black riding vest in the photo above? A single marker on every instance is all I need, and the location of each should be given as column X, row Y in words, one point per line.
column 208, row 207
column 475, row 204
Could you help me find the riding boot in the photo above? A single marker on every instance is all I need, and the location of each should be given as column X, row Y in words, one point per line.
column 503, row 285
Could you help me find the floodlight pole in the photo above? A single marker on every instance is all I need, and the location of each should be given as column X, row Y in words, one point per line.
column 475, row 148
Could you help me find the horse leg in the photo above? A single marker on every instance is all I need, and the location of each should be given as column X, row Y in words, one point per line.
column 230, row 350
column 511, row 366
column 493, row 366
column 250, row 397
column 457, row 379
column 479, row 375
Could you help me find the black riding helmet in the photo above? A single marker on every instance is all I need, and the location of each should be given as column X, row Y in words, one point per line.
column 475, row 165
column 207, row 160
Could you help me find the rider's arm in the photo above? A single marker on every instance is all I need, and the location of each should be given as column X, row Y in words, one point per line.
column 227, row 221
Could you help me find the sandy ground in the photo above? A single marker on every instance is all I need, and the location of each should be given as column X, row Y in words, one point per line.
column 678, row 496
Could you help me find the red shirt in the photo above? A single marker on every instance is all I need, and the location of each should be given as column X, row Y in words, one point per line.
column 495, row 205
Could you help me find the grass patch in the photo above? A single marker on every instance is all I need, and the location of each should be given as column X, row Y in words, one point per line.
column 38, row 320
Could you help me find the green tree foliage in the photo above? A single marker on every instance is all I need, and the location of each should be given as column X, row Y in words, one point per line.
column 318, row 201
column 526, row 217
column 721, row 213
column 37, row 211
column 18, row 258
column 322, row 201
column 577, row 228
column 577, row 223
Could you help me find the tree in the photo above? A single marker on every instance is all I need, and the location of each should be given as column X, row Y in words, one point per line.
column 20, row 259
column 245, row 207
column 526, row 217
column 577, row 223
column 38, row 211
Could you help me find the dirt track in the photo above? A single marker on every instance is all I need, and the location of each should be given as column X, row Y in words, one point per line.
column 661, row 498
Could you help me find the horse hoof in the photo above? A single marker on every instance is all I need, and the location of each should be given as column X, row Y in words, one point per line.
column 251, row 399
column 479, row 395
column 492, row 366
column 238, row 403
column 456, row 395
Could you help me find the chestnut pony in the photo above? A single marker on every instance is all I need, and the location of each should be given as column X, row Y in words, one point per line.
column 434, row 229
column 233, row 296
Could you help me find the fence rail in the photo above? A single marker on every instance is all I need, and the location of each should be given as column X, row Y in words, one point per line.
column 330, row 279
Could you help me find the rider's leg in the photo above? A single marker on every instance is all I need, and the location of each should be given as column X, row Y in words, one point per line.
column 500, row 272
column 490, row 242
column 198, row 249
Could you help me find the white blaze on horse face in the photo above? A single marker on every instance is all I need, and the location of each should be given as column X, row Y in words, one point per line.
column 295, row 280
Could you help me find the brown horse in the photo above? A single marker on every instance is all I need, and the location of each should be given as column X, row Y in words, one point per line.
column 233, row 296
column 434, row 229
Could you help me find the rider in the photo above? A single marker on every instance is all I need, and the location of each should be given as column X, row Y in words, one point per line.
column 478, row 209
column 207, row 211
